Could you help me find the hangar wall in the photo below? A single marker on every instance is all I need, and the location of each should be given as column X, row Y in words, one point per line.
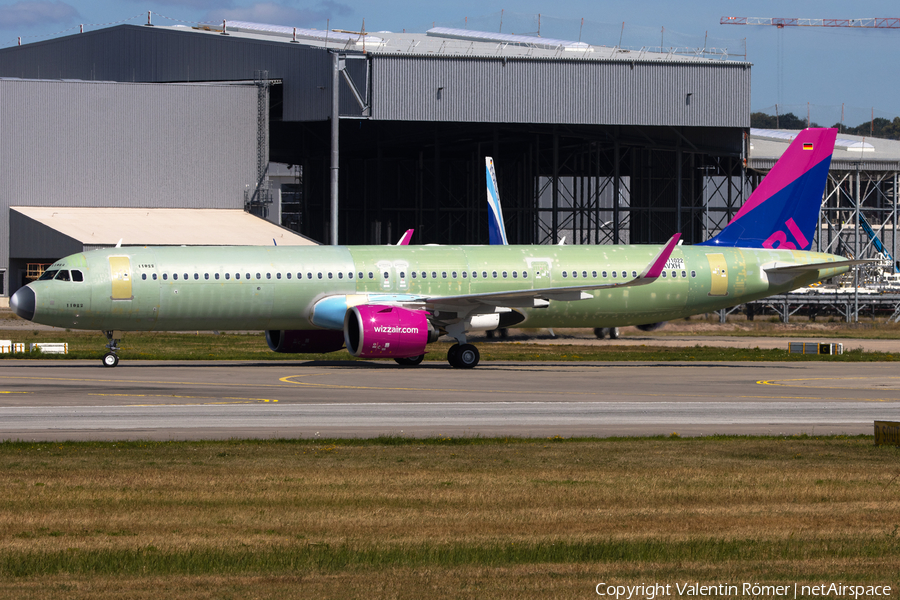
column 95, row 144
column 587, row 92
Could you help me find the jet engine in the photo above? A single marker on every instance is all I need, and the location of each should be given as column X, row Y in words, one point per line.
column 375, row 330
column 304, row 341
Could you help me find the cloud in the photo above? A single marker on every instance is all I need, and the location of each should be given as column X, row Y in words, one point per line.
column 30, row 13
column 275, row 13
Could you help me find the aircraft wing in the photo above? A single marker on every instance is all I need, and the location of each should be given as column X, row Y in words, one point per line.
column 541, row 296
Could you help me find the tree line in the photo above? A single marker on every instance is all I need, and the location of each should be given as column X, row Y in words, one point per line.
column 879, row 127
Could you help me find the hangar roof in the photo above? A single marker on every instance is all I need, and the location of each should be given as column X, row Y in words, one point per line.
column 445, row 41
column 97, row 227
column 851, row 152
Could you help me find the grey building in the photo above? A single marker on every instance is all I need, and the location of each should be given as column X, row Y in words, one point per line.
column 599, row 144
column 130, row 145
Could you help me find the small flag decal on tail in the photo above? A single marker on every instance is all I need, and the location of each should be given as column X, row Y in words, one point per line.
column 807, row 146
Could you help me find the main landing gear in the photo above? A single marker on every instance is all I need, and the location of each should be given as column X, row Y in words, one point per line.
column 463, row 356
column 111, row 359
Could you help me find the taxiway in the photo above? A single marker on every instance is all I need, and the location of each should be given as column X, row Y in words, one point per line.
column 55, row 400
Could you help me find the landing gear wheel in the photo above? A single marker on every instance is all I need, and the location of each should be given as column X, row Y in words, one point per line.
column 452, row 353
column 613, row 333
column 467, row 356
column 410, row 361
column 600, row 332
column 110, row 360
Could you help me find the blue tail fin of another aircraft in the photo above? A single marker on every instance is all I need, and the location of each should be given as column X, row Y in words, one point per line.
column 783, row 211
column 496, row 227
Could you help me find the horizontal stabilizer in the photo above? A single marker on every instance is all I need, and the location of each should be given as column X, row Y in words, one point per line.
column 808, row 268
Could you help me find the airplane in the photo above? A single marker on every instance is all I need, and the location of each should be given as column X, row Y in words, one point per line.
column 392, row 301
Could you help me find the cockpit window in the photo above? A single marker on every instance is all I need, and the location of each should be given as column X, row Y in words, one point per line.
column 62, row 276
column 48, row 275
column 77, row 275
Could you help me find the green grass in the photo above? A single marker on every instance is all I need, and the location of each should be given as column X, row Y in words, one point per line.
column 207, row 346
column 442, row 517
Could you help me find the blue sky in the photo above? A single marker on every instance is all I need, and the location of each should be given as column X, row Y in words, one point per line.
column 792, row 67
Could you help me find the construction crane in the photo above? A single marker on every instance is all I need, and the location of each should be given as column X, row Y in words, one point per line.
column 873, row 23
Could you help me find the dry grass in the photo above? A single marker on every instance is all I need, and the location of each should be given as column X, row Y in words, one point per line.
column 414, row 518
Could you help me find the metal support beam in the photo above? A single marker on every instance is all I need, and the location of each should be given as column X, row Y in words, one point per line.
column 335, row 145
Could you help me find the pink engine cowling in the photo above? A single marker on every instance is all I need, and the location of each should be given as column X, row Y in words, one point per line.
column 374, row 330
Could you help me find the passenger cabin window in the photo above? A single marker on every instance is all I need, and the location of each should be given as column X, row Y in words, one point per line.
column 465, row 275
column 494, row 273
column 227, row 276
column 693, row 273
column 237, row 275
column 413, row 274
column 217, row 276
column 165, row 276
column 197, row 276
column 144, row 276
column 524, row 274
column 505, row 274
column 154, row 277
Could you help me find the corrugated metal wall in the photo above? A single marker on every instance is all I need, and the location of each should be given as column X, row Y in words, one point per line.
column 130, row 145
column 713, row 94
column 154, row 54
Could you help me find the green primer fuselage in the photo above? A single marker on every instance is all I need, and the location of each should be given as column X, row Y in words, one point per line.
column 185, row 288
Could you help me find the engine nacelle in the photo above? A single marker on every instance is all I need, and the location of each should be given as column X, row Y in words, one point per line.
column 310, row 341
column 377, row 330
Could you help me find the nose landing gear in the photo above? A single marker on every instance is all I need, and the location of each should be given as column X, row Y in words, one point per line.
column 111, row 358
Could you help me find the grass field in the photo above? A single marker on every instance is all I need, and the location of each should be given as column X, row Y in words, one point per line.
column 444, row 518
column 252, row 346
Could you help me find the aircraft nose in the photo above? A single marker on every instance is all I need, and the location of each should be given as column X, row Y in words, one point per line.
column 22, row 303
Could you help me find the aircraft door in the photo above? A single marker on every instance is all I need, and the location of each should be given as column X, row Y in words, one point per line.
column 385, row 274
column 718, row 274
column 120, row 276
column 401, row 269
column 541, row 270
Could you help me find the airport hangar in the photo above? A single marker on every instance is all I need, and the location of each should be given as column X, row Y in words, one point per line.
column 597, row 144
